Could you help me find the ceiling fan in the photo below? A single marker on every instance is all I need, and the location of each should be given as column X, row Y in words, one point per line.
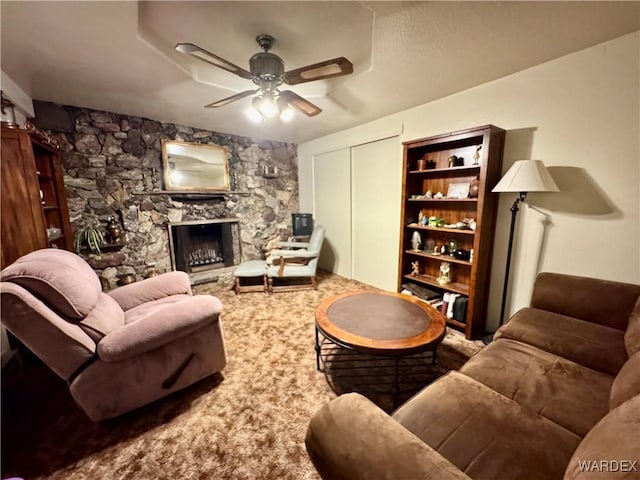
column 266, row 70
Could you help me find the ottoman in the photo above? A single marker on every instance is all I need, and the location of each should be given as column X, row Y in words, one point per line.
column 254, row 273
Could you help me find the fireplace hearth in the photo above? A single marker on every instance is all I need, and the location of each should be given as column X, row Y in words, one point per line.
column 201, row 245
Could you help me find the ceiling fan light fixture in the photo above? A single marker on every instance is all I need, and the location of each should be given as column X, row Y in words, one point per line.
column 286, row 112
column 266, row 70
column 286, row 115
column 253, row 113
column 267, row 106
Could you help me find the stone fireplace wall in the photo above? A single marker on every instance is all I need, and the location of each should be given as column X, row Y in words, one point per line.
column 111, row 160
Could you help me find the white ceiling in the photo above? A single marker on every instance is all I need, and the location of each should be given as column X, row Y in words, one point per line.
column 119, row 56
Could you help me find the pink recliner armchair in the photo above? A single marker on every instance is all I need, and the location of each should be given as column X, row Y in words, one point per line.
column 117, row 351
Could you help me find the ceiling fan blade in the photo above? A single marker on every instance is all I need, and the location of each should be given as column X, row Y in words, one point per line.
column 318, row 71
column 300, row 104
column 211, row 59
column 232, row 98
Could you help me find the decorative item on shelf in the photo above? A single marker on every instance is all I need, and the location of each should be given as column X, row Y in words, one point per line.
column 523, row 177
column 436, row 222
column 415, row 268
column 431, row 164
column 438, row 196
column 476, row 155
column 471, row 255
column 458, row 190
column 421, row 163
column 126, row 279
column 455, row 161
column 462, row 254
column 474, row 187
column 234, row 181
column 430, row 245
column 152, row 272
column 115, row 230
column 445, row 273
column 444, row 249
column 91, row 237
column 46, row 139
column 436, row 249
column 269, row 171
column 53, row 233
column 8, row 112
column 453, row 247
column 104, row 283
column 428, row 194
column 416, row 241
column 424, row 220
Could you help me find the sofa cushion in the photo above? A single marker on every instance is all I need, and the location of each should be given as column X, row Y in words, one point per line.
column 105, row 317
column 352, row 439
column 589, row 344
column 591, row 299
column 150, row 289
column 484, row 433
column 627, row 383
column 632, row 334
column 61, row 344
column 61, row 279
column 611, row 445
column 563, row 391
column 149, row 308
column 291, row 270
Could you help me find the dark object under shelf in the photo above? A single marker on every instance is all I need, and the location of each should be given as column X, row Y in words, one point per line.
column 421, row 292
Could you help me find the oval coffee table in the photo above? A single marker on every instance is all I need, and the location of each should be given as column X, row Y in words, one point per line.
column 379, row 323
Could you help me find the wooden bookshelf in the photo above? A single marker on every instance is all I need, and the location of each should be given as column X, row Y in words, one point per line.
column 33, row 196
column 469, row 278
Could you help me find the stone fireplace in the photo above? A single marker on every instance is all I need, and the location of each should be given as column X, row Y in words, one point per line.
column 113, row 168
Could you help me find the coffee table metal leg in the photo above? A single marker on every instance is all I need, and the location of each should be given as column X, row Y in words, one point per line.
column 317, row 350
column 396, row 382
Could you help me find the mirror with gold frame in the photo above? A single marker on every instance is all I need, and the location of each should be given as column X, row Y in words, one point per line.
column 194, row 166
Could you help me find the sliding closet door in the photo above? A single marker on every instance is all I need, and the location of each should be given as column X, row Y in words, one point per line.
column 332, row 208
column 375, row 212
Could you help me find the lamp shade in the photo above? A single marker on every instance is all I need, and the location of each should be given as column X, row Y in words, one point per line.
column 527, row 176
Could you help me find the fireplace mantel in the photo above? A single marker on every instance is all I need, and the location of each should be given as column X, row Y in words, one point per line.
column 206, row 222
column 192, row 194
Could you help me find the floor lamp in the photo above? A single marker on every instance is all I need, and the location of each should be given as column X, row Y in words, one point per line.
column 523, row 177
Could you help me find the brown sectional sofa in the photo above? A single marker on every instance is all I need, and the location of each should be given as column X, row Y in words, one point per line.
column 559, row 385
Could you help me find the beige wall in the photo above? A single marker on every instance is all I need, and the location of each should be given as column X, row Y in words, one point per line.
column 580, row 115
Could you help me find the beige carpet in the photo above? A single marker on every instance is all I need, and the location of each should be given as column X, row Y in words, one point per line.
column 249, row 425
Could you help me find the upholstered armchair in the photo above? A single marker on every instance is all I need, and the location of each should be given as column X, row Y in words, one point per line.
column 296, row 260
column 117, row 351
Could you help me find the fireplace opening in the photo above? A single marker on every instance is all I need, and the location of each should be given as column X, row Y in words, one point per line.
column 204, row 244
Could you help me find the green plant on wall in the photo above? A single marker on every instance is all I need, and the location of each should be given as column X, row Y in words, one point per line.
column 91, row 237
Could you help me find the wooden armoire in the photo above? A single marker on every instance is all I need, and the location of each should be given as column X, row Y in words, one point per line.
column 34, row 211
